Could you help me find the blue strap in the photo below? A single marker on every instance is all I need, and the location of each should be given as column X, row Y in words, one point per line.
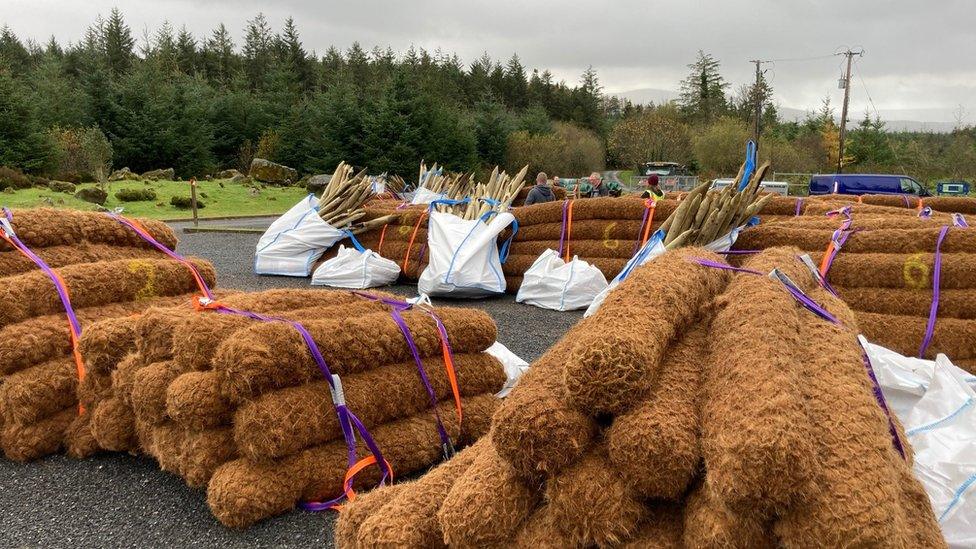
column 503, row 251
column 355, row 243
column 750, row 163
column 641, row 254
column 447, row 202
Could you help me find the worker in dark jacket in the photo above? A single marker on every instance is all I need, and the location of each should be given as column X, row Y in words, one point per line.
column 542, row 192
column 653, row 190
column 599, row 189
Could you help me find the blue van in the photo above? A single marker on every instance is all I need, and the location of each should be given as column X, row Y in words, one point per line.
column 866, row 183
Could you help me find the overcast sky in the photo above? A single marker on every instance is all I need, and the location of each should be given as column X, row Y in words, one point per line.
column 919, row 56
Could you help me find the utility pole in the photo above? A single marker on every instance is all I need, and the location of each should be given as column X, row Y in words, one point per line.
column 757, row 100
column 846, row 83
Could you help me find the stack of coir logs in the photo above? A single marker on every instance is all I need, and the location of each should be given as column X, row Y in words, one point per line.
column 238, row 405
column 697, row 408
column 886, row 271
column 109, row 272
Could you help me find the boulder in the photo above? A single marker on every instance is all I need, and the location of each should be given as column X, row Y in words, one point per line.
column 227, row 174
column 125, row 174
column 61, row 186
column 317, row 183
column 241, row 179
column 160, row 175
column 93, row 195
column 270, row 172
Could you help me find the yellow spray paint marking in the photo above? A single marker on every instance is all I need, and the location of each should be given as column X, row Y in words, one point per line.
column 610, row 244
column 403, row 229
column 916, row 272
column 149, row 272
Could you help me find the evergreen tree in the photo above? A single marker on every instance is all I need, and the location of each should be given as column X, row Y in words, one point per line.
column 57, row 99
column 13, row 55
column 702, row 96
column 186, row 52
column 22, row 142
column 869, row 143
column 116, row 39
column 257, row 50
column 516, row 86
column 295, row 57
column 491, row 129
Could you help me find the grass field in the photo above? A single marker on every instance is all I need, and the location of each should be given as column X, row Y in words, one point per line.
column 231, row 199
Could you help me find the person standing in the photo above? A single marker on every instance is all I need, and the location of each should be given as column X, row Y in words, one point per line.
column 599, row 189
column 541, row 192
column 652, row 190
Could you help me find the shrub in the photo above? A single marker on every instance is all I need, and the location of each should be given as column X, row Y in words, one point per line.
column 721, row 147
column 184, row 202
column 61, row 186
column 12, row 178
column 569, row 151
column 652, row 135
column 135, row 195
column 80, row 154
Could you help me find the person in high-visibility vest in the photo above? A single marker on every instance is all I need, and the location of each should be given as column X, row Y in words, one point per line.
column 652, row 190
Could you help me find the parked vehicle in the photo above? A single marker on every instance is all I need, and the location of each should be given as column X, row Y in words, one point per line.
column 952, row 187
column 661, row 169
column 866, row 183
column 775, row 187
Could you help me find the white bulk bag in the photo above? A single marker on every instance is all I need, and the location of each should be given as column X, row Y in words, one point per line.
column 942, row 431
column 356, row 268
column 513, row 364
column 464, row 258
column 552, row 283
column 295, row 241
column 424, row 195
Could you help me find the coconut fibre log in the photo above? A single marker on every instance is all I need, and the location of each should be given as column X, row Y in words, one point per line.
column 32, row 394
column 192, row 455
column 755, row 432
column 113, row 425
column 26, row 442
column 197, row 338
column 47, row 337
column 868, row 220
column 593, row 504
column 903, row 271
column 587, row 229
column 586, row 249
column 889, row 241
column 709, row 523
column 273, row 355
column 242, row 492
column 663, row 528
column 14, row 263
column 93, row 284
column 534, row 430
column 194, row 401
column 79, row 442
column 856, row 499
column 487, row 503
column 910, row 301
column 123, row 375
column 956, row 338
column 951, row 204
column 655, row 446
column 149, row 386
column 283, row 422
column 626, row 207
column 106, row 342
column 610, row 368
column 405, row 517
column 46, row 227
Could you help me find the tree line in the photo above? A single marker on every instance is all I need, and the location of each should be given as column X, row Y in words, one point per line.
column 199, row 104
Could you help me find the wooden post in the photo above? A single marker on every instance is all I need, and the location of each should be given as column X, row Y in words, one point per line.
column 193, row 199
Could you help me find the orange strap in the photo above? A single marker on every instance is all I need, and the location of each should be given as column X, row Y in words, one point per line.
column 413, row 236
column 920, row 205
column 355, row 470
column 569, row 228
column 75, row 352
column 452, row 377
column 379, row 249
column 651, row 204
column 826, row 256
column 860, row 199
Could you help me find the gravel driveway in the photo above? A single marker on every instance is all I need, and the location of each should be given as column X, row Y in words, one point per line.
column 117, row 500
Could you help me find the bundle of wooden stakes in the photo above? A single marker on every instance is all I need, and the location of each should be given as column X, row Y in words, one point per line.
column 495, row 195
column 454, row 186
column 706, row 214
column 341, row 204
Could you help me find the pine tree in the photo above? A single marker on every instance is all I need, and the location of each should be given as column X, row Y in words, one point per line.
column 294, row 55
column 13, row 55
column 491, row 128
column 118, row 43
column 186, row 52
column 57, row 99
column 22, row 142
column 218, row 54
column 702, row 95
column 516, row 86
column 257, row 50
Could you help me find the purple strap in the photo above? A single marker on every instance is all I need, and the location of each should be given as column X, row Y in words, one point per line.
column 69, row 311
column 159, row 246
column 396, row 309
column 925, row 213
column 959, row 221
column 739, row 252
column 908, row 204
column 8, row 214
column 562, row 234
column 348, row 421
column 799, row 206
column 934, row 309
column 882, row 403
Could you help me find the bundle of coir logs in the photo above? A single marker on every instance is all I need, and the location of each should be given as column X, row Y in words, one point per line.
column 109, row 272
column 887, row 269
column 697, row 408
column 239, row 406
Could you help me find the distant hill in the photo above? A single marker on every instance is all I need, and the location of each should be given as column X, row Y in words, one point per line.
column 896, row 120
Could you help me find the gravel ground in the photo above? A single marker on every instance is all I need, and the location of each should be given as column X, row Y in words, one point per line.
column 114, row 500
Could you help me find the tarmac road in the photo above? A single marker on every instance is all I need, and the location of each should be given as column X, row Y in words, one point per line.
column 118, row 500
